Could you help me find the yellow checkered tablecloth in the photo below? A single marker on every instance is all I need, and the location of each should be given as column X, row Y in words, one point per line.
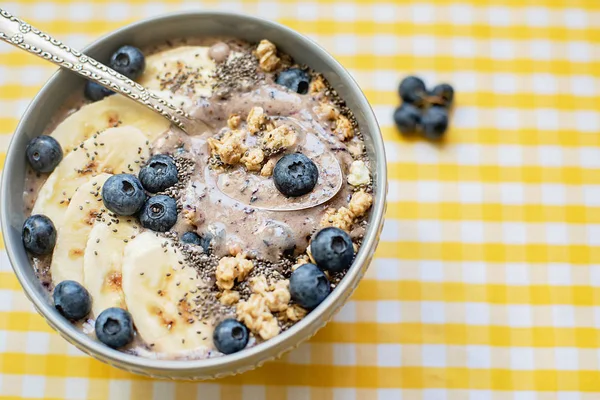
column 486, row 285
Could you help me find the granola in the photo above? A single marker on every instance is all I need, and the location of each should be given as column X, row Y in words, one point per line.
column 266, row 52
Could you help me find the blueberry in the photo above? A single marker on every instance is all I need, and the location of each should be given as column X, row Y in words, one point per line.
column 72, row 300
column 129, row 61
column 230, row 336
column 194, row 238
column 309, row 286
column 332, row 249
column 39, row 235
column 442, row 94
column 123, row 194
column 407, row 118
column 159, row 213
column 294, row 79
column 95, row 92
column 295, row 175
column 159, row 173
column 43, row 153
column 435, row 122
column 412, row 90
column 114, row 327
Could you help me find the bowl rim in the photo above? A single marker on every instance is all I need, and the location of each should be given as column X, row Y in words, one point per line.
column 260, row 352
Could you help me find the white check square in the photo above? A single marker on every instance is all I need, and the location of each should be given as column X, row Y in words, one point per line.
column 479, row 357
column 575, row 18
column 508, row 118
column 389, row 355
column 514, row 233
column 434, row 355
column 522, row 358
column 431, row 271
column 307, row 11
column 472, row 231
column 537, row 16
column 433, row 312
column 429, row 231
column 499, row 16
column 423, row 13
column 33, row 386
column 461, row 14
column 560, row 274
column 477, row 313
column 540, row 49
column 510, row 155
column 389, row 311
column 579, row 51
column 502, row 49
column 512, row 193
column 567, row 358
column 470, row 192
column 76, row 388
column 504, row 83
column 553, row 194
column 342, row 394
column 563, row 316
column 517, row 274
column 519, row 315
column 474, row 272
column 544, row 83
column 389, row 394
column 254, row 392
column 424, row 45
column 344, row 354
column 546, row 119
column 347, row 313
column 557, row 234
column 345, row 12
column 583, row 85
column 550, row 156
column 428, row 191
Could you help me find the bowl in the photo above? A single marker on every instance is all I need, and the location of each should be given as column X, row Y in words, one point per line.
column 55, row 92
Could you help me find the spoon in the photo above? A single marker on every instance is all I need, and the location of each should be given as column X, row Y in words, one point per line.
column 26, row 37
column 18, row 33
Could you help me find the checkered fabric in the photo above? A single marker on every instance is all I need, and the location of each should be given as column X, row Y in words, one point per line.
column 486, row 284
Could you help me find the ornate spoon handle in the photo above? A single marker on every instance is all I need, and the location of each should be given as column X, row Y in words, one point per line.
column 18, row 33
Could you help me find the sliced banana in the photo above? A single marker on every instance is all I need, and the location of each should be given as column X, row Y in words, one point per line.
column 154, row 280
column 180, row 73
column 115, row 150
column 107, row 113
column 72, row 235
column 103, row 262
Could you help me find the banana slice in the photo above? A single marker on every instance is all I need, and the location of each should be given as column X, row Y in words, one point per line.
column 154, row 280
column 72, row 235
column 104, row 114
column 185, row 71
column 115, row 150
column 103, row 261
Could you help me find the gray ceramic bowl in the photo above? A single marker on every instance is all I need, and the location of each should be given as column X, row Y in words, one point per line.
column 155, row 30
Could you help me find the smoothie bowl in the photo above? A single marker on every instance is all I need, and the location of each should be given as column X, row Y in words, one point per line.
column 204, row 254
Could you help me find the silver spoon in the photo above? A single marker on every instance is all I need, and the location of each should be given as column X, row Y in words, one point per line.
column 26, row 37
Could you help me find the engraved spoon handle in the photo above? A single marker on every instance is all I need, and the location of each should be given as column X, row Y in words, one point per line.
column 19, row 33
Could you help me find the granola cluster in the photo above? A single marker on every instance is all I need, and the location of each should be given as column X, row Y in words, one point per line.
column 231, row 148
column 266, row 52
column 343, row 127
column 232, row 269
column 344, row 217
column 257, row 312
